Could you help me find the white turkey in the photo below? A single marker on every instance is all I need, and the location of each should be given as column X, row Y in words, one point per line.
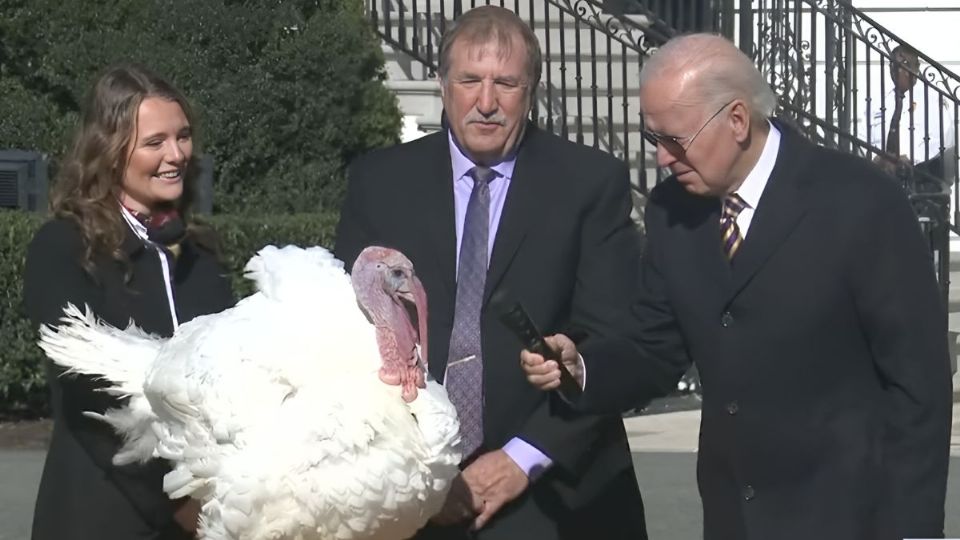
column 290, row 415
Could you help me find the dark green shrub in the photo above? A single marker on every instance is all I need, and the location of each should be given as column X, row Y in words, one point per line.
column 22, row 385
column 286, row 91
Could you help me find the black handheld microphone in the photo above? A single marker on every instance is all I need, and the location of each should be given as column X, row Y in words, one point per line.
column 514, row 317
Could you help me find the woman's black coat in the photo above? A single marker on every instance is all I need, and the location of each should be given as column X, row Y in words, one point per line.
column 82, row 494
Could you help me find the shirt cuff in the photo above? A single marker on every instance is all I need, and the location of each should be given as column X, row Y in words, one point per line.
column 531, row 461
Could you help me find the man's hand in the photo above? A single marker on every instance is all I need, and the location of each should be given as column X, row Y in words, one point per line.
column 187, row 516
column 545, row 374
column 496, row 479
column 461, row 504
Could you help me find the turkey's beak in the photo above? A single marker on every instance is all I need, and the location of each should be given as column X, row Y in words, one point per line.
column 412, row 291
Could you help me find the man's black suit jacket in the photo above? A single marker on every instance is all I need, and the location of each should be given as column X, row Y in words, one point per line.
column 567, row 249
column 822, row 351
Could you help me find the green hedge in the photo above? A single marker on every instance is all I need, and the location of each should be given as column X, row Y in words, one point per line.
column 286, row 92
column 22, row 387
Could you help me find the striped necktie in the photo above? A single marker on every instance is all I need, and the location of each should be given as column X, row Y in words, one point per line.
column 729, row 231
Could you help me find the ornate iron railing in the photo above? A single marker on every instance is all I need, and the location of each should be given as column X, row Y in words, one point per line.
column 832, row 62
column 831, row 66
column 681, row 15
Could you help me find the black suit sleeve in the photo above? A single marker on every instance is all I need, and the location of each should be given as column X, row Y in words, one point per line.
column 897, row 300
column 647, row 356
column 53, row 277
column 603, row 323
column 354, row 232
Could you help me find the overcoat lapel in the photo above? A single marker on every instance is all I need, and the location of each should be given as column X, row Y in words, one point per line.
column 706, row 249
column 778, row 214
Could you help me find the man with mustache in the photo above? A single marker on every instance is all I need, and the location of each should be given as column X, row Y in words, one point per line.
column 495, row 205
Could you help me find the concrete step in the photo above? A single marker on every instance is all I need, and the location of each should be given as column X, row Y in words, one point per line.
column 954, row 251
column 422, row 26
column 953, row 294
column 417, row 98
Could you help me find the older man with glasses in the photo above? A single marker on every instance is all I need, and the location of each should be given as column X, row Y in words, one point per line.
column 798, row 281
column 678, row 145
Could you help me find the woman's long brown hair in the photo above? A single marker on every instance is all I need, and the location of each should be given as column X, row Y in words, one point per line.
column 89, row 182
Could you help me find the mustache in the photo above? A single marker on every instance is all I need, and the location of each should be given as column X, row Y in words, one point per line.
column 479, row 118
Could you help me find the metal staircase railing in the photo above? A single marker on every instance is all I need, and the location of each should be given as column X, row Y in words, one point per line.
column 830, row 64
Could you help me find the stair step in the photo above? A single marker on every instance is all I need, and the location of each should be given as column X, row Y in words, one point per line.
column 430, row 87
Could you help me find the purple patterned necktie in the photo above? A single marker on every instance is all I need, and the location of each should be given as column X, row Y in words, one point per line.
column 464, row 379
column 729, row 231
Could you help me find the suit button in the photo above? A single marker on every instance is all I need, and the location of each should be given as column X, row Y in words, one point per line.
column 748, row 492
column 726, row 320
column 733, row 407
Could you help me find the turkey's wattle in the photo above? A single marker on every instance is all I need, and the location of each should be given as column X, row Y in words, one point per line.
column 384, row 280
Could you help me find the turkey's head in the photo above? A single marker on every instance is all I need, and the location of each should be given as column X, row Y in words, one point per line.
column 388, row 291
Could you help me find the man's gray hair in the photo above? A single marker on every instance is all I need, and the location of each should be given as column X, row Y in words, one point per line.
column 719, row 72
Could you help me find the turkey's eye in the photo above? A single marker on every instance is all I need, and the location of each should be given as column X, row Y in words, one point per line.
column 397, row 273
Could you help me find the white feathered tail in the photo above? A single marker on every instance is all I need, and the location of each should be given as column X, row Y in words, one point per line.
column 85, row 346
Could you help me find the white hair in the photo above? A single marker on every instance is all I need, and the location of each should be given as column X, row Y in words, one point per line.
column 719, row 72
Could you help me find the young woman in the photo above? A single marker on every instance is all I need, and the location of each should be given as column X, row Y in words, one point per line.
column 120, row 242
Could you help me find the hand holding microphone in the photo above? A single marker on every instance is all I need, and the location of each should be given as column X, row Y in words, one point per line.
column 550, row 363
column 561, row 370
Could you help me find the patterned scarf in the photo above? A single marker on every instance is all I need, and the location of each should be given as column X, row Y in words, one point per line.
column 164, row 227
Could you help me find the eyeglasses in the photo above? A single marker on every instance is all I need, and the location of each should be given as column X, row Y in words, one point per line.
column 674, row 144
